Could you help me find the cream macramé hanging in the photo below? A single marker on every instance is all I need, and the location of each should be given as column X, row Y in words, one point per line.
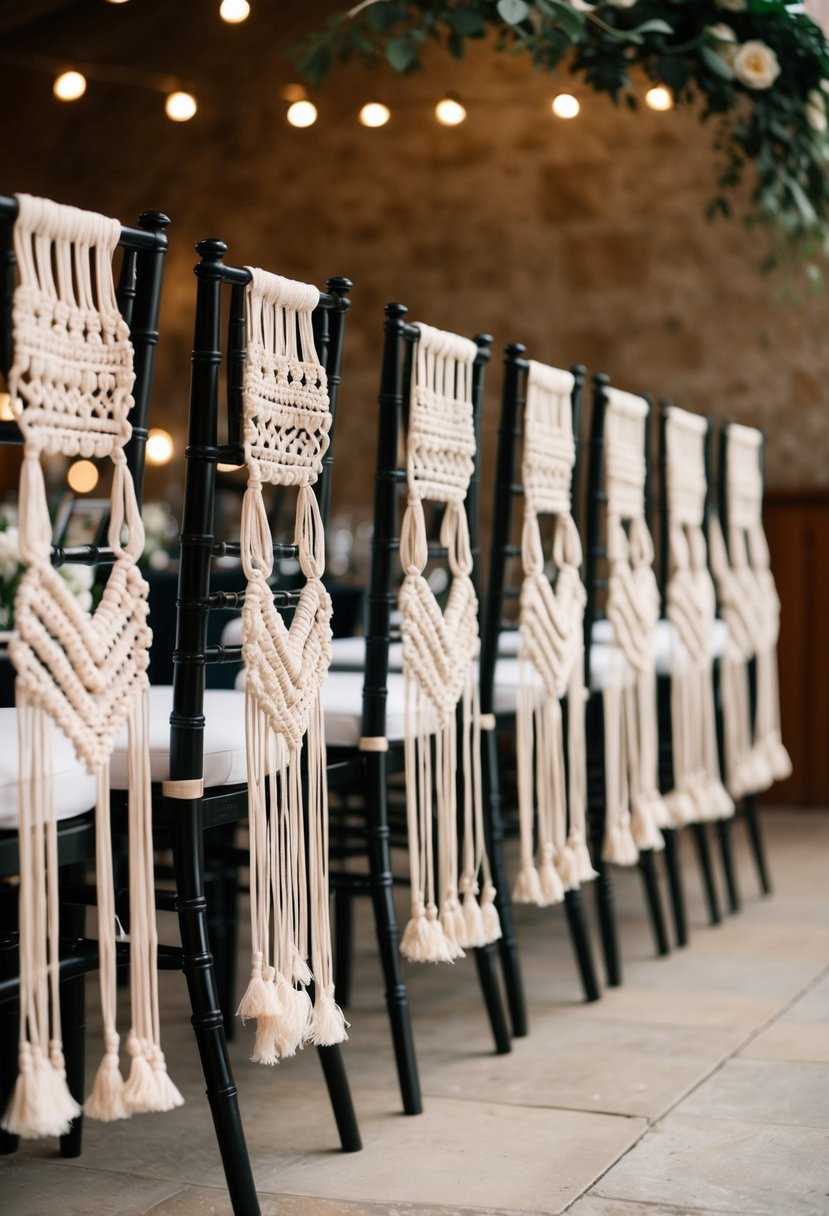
column 440, row 651
column 635, row 811
column 70, row 383
column 698, row 792
column 754, row 753
column 287, row 423
column 551, row 655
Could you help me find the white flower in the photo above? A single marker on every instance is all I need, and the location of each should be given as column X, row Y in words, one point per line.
column 816, row 111
column 756, row 65
column 79, row 580
column 725, row 42
column 722, row 32
column 10, row 558
column 732, row 6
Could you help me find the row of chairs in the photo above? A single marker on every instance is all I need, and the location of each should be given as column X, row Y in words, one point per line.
column 197, row 734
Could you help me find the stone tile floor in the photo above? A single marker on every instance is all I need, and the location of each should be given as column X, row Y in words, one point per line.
column 699, row 1087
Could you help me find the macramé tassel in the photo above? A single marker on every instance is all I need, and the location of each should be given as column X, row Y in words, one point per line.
column 106, row 1099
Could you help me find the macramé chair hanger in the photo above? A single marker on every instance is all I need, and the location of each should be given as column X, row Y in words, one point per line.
column 424, row 719
column 541, row 409
column 224, row 755
column 625, row 809
column 80, row 356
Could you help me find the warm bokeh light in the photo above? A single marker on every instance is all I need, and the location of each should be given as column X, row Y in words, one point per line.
column 234, row 11
column 659, row 98
column 302, row 114
column 374, row 114
column 117, row 1
column 160, row 446
column 82, row 476
column 449, row 111
column 565, row 105
column 6, row 414
column 180, row 106
column 69, row 86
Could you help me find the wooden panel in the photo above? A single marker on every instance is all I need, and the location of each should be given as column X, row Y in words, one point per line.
column 797, row 526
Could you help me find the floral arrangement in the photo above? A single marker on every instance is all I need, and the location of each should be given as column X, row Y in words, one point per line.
column 760, row 66
column 80, row 579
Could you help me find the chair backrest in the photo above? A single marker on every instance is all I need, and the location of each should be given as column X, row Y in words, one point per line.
column 505, row 576
column 397, row 372
column 205, row 450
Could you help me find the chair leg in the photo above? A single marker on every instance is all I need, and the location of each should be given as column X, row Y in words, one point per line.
column 385, row 923
column 508, row 944
column 755, row 837
column 339, row 1092
column 207, row 1019
column 603, row 886
column 343, row 945
column 726, row 839
column 653, row 900
column 673, row 868
column 73, row 1012
column 580, row 938
column 222, row 894
column 485, row 957
column 707, row 870
column 9, row 1010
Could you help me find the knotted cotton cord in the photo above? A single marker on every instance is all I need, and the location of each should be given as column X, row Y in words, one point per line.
column 71, row 384
column 698, row 792
column 287, row 423
column 453, row 896
column 551, row 655
column 754, row 753
column 634, row 809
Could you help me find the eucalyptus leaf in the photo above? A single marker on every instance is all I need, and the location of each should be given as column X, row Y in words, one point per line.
column 715, row 63
column 402, row 53
column 467, row 20
column 569, row 20
column 655, row 26
column 384, row 15
column 513, row 11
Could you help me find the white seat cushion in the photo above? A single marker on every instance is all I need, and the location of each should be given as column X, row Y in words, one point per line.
column 224, row 738
column 75, row 788
column 349, row 654
column 666, row 640
column 232, row 632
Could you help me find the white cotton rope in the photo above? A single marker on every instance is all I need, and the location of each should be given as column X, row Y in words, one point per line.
column 287, row 424
column 71, row 384
column 554, row 854
column 453, row 896
column 754, row 753
column 698, row 792
column 635, row 811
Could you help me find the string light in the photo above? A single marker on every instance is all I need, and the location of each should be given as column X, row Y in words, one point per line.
column 82, row 476
column 160, row 446
column 565, row 105
column 6, row 414
column 375, row 114
column 117, row 1
column 659, row 98
column 302, row 114
column 449, row 111
column 180, row 106
column 69, row 86
column 234, row 11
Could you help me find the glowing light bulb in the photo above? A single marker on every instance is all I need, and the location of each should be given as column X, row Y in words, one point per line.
column 302, row 114
column 180, row 106
column 659, row 98
column 565, row 105
column 449, row 111
column 117, row 1
column 234, row 11
column 82, row 476
column 160, row 446
column 69, row 86
column 6, row 414
column 374, row 114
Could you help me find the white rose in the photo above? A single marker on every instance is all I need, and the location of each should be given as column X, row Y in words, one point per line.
column 731, row 6
column 79, row 579
column 726, row 42
column 722, row 32
column 10, row 558
column 816, row 111
column 756, row 65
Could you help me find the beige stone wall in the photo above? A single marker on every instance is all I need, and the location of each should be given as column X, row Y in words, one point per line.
column 585, row 240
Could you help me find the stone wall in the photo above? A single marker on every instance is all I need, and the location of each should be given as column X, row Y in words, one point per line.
column 586, row 240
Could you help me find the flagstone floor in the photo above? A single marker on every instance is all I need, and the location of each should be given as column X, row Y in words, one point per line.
column 699, row 1087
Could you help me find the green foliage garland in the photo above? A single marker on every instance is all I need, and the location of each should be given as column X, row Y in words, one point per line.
column 760, row 66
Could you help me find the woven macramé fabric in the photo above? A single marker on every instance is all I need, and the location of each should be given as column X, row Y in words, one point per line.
column 554, row 855
column 754, row 753
column 287, row 422
column 698, row 792
column 440, row 649
column 71, row 383
column 634, row 809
